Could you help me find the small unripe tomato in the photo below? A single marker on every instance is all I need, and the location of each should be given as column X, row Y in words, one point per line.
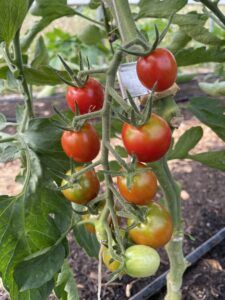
column 141, row 261
column 84, row 190
column 143, row 187
column 156, row 231
column 149, row 142
column 159, row 67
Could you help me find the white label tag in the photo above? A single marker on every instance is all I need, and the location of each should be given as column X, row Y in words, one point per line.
column 128, row 80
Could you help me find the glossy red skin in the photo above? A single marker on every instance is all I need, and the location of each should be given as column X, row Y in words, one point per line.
column 159, row 66
column 89, row 98
column 85, row 190
column 143, row 188
column 156, row 231
column 83, row 145
column 149, row 142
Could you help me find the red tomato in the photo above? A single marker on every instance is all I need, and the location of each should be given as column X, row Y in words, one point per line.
column 149, row 142
column 156, row 231
column 143, row 187
column 85, row 189
column 89, row 98
column 157, row 67
column 83, row 145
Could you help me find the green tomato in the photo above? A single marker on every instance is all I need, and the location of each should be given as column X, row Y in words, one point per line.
column 141, row 261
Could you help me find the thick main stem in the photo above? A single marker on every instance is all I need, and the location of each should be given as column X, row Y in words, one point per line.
column 174, row 248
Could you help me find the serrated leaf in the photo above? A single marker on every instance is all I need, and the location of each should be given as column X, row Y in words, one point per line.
column 34, row 272
column 186, row 142
column 210, row 112
column 121, row 151
column 41, row 54
column 8, row 153
column 12, row 14
column 214, row 159
column 86, row 240
column 160, row 9
column 2, row 121
column 28, row 225
column 192, row 56
column 65, row 287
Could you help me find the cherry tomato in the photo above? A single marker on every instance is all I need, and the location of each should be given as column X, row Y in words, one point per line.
column 89, row 98
column 83, row 145
column 156, row 231
column 85, row 189
column 149, row 142
column 107, row 259
column 141, row 261
column 157, row 67
column 143, row 187
column 88, row 217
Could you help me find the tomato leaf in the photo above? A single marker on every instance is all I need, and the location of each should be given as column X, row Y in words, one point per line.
column 41, row 54
column 86, row 240
column 66, row 287
column 36, row 271
column 215, row 159
column 28, row 225
column 160, row 9
column 210, row 112
column 186, row 142
column 121, row 151
column 12, row 14
column 192, row 56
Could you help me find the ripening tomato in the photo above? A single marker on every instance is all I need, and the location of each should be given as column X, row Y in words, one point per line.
column 83, row 145
column 89, row 98
column 141, row 261
column 85, row 189
column 156, row 231
column 143, row 187
column 112, row 265
column 157, row 67
column 148, row 142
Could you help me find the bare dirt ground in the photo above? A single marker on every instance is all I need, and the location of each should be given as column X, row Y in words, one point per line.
column 203, row 203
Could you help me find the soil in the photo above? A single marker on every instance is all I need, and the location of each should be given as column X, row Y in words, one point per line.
column 203, row 207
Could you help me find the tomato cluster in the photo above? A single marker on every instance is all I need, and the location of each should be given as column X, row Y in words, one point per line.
column 137, row 185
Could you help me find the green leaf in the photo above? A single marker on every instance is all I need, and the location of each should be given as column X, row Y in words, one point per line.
column 101, row 176
column 193, row 25
column 214, row 89
column 214, row 159
column 3, row 121
column 8, row 153
column 86, row 240
column 180, row 40
column 192, row 56
column 36, row 271
column 41, row 54
column 186, row 142
column 91, row 35
column 28, row 225
column 160, row 9
column 12, row 14
column 121, row 151
column 66, row 288
column 114, row 165
column 210, row 112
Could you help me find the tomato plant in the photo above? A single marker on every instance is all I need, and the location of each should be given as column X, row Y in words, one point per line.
column 149, row 142
column 142, row 189
column 84, row 189
column 89, row 97
column 37, row 225
column 156, row 231
column 82, row 145
column 159, row 67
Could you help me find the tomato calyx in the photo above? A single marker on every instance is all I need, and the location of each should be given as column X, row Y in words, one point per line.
column 75, row 81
